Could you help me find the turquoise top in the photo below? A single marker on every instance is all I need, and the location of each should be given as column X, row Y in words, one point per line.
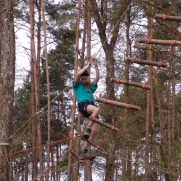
column 82, row 93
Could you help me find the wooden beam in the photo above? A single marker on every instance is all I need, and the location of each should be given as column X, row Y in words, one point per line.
column 73, row 153
column 167, row 17
column 145, row 62
column 143, row 86
column 159, row 42
column 113, row 128
column 119, row 104
column 91, row 143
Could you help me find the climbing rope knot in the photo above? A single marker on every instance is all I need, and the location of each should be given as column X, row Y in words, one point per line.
column 164, row 16
column 159, row 64
column 113, row 128
column 104, row 101
column 174, row 43
column 129, row 106
column 132, row 60
column 143, row 86
column 147, row 41
column 116, row 80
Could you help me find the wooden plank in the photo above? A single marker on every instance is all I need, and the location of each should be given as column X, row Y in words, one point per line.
column 77, row 158
column 145, row 62
column 91, row 143
column 73, row 153
column 159, row 42
column 167, row 17
column 113, row 128
column 119, row 104
column 129, row 83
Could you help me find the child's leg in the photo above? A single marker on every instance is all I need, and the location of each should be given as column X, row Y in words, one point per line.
column 92, row 135
column 93, row 110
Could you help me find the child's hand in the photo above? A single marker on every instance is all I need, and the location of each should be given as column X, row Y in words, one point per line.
column 88, row 65
column 94, row 61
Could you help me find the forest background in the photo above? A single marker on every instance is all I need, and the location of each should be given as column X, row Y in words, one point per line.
column 39, row 118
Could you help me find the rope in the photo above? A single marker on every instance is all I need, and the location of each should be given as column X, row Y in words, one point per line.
column 36, row 147
column 48, row 170
column 37, row 113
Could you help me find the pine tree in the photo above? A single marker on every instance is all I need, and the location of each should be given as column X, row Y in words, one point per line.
column 7, row 69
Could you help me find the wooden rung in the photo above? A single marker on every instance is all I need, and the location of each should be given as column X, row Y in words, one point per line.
column 105, row 125
column 91, row 143
column 143, row 86
column 73, row 153
column 159, row 42
column 167, row 17
column 119, row 104
column 146, row 62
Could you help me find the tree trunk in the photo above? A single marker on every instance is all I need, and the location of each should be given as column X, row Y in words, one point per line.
column 48, row 90
column 148, row 107
column 70, row 170
column 173, row 128
column 87, row 165
column 35, row 105
column 7, row 70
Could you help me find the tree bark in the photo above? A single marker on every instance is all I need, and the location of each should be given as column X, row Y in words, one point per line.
column 7, row 70
column 70, row 171
column 48, row 90
column 149, row 93
column 35, row 104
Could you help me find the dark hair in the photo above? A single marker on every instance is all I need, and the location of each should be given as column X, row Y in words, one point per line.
column 85, row 73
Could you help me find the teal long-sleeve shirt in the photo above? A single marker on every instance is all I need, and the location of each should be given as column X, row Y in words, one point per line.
column 82, row 93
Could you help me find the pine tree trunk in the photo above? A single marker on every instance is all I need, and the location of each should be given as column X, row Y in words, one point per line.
column 87, row 165
column 152, row 115
column 148, row 107
column 126, row 152
column 48, row 90
column 174, row 159
column 70, row 170
column 7, row 69
column 35, row 64
column 84, row 35
column 167, row 161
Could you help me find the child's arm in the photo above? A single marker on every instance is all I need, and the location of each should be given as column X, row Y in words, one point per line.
column 80, row 72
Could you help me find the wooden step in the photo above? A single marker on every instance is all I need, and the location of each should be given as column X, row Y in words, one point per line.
column 167, row 17
column 159, row 42
column 146, row 62
column 119, row 104
column 73, row 153
column 143, row 86
column 113, row 128
column 91, row 143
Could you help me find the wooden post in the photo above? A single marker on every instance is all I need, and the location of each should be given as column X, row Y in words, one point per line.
column 119, row 104
column 159, row 42
column 166, row 17
column 143, row 86
column 91, row 143
column 146, row 62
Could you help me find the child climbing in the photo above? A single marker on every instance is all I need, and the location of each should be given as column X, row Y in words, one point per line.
column 84, row 90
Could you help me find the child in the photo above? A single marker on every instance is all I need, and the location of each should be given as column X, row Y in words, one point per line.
column 84, row 95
